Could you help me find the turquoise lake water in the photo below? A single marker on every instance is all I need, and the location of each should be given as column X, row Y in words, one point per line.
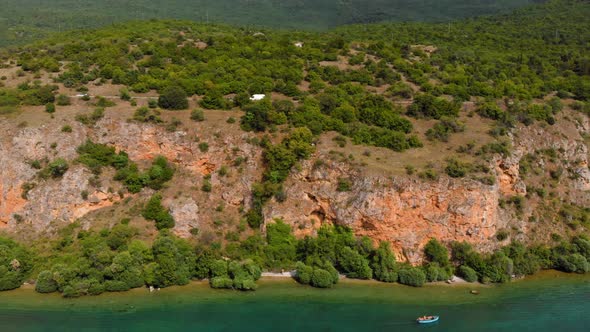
column 549, row 302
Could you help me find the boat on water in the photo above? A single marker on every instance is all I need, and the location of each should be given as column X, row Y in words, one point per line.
column 427, row 319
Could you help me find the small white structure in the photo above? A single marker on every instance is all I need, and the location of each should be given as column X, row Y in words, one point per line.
column 299, row 44
column 257, row 97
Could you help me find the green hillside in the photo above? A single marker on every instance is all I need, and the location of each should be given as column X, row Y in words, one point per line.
column 393, row 87
column 22, row 21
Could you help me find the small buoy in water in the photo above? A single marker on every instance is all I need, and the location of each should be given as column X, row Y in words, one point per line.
column 475, row 292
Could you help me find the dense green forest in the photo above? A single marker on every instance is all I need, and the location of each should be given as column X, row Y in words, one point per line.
column 92, row 262
column 507, row 60
column 22, row 21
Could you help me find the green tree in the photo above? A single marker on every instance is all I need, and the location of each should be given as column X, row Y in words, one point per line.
column 156, row 212
column 467, row 273
column 173, row 98
column 412, row 277
column 321, row 278
column 384, row 264
column 45, row 282
column 436, row 252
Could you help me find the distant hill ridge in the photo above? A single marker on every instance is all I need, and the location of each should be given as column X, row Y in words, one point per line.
column 24, row 20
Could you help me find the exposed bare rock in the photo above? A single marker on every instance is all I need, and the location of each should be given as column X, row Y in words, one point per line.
column 403, row 211
column 186, row 215
column 60, row 201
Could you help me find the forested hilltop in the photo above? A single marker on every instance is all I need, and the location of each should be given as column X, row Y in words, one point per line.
column 137, row 155
column 23, row 21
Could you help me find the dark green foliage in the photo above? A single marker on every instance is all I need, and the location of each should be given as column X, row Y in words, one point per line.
column 15, row 264
column 91, row 119
column 38, row 21
column 456, row 168
column 50, row 108
column 55, row 169
column 95, row 156
column 280, row 158
column 467, row 273
column 45, row 282
column 412, row 277
column 573, row 263
column 429, row 106
column 491, row 111
column 321, row 279
column 204, row 146
column 233, row 274
column 198, row 115
column 343, row 185
column 502, row 235
column 156, row 212
column 102, row 102
column 303, row 273
column 353, row 264
column 173, row 98
column 221, row 282
column 437, row 253
column 146, row 114
column 323, row 275
column 281, row 248
column 219, row 268
column 174, row 262
column 155, row 177
column 119, row 236
column 444, row 128
column 384, row 264
column 435, row 272
column 159, row 173
column 62, row 100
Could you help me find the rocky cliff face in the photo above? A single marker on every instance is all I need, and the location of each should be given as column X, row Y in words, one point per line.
column 407, row 211
column 401, row 209
column 51, row 203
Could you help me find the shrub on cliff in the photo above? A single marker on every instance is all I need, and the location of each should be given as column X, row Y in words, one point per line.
column 156, row 212
column 95, row 156
column 54, row 169
column 412, row 277
column 456, row 168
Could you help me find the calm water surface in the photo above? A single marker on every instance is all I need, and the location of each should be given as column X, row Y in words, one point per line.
column 551, row 301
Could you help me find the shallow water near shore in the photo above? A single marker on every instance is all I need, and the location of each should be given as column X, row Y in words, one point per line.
column 546, row 302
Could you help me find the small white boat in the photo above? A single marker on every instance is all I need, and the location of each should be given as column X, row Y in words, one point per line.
column 427, row 319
